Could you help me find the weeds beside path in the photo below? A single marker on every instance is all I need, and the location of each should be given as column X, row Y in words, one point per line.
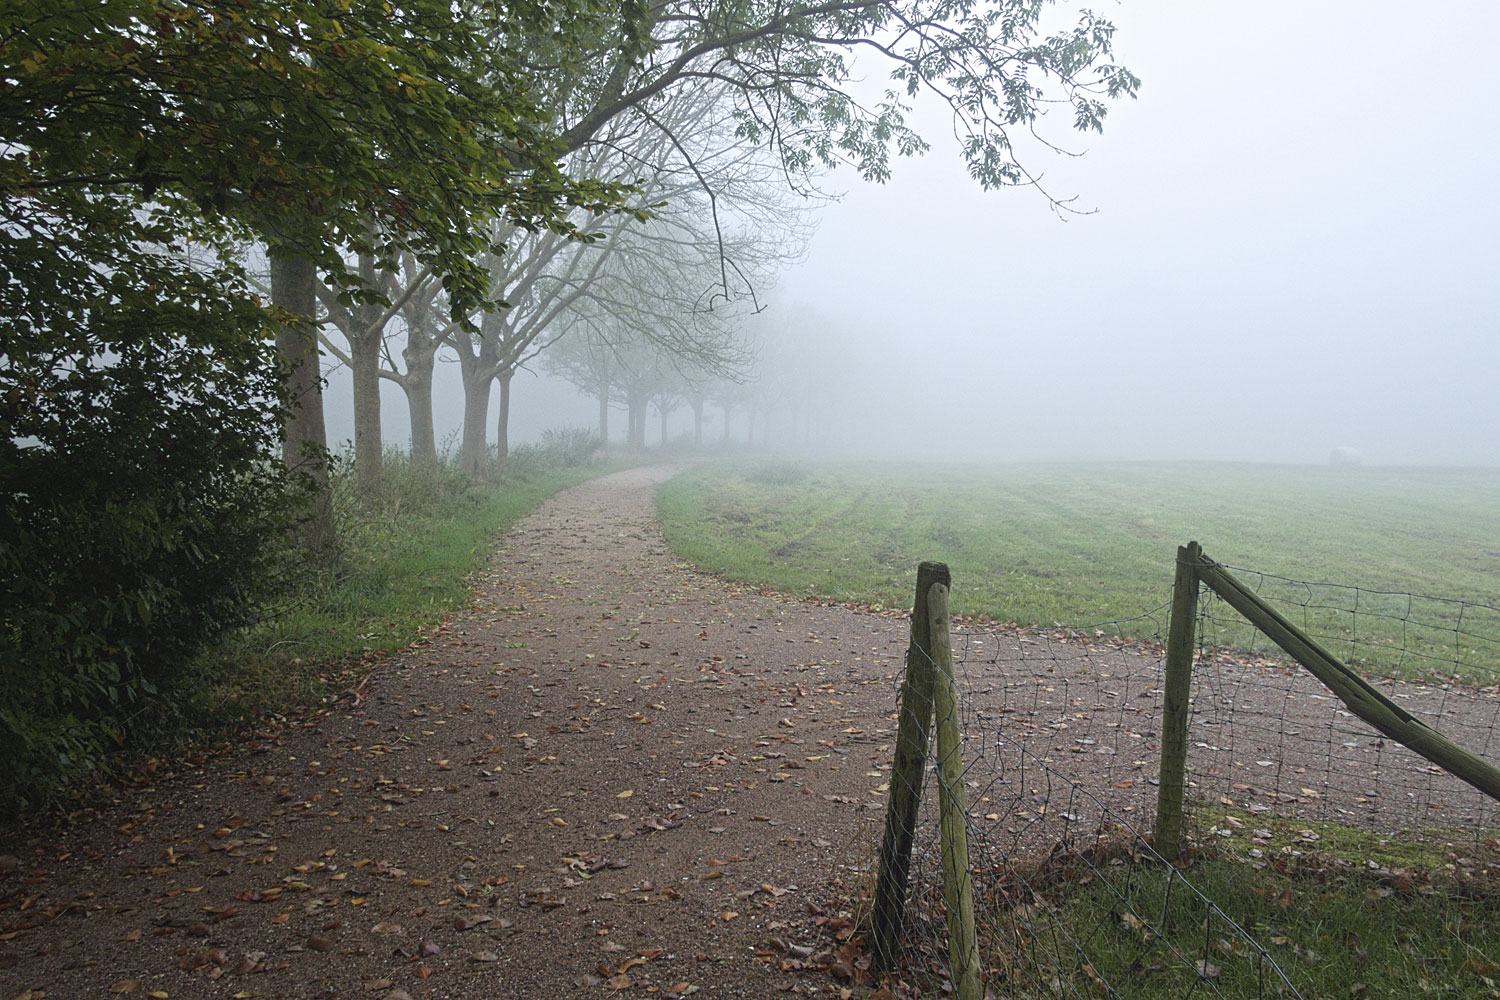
column 609, row 773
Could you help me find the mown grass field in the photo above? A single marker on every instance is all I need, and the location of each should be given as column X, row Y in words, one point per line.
column 1079, row 544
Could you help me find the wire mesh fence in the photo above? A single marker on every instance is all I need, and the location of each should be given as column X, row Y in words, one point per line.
column 1069, row 898
column 1060, row 752
column 1267, row 739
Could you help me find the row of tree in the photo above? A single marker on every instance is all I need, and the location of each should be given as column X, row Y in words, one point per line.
column 199, row 197
column 661, row 292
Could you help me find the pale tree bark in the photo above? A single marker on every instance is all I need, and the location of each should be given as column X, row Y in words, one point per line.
column 420, row 358
column 304, row 444
column 366, row 334
column 604, row 412
column 477, row 360
column 473, row 443
column 502, row 425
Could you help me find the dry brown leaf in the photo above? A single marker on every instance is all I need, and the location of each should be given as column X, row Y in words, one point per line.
column 318, row 942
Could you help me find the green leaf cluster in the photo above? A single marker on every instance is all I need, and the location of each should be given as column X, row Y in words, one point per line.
column 135, row 516
column 143, row 143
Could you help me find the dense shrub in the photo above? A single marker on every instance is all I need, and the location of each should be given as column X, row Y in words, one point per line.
column 138, row 493
column 564, row 448
column 570, row 447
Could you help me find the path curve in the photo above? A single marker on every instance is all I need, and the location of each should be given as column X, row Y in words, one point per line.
column 612, row 775
column 609, row 775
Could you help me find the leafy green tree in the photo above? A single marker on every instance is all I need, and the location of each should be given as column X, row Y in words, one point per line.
column 323, row 129
column 142, row 384
column 785, row 73
column 999, row 67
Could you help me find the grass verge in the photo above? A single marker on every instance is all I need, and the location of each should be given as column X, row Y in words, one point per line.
column 1078, row 544
column 1342, row 912
column 406, row 558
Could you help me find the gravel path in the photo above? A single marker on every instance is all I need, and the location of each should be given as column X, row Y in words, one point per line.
column 610, row 774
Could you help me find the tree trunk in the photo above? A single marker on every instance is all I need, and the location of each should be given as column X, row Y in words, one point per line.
column 502, row 427
column 604, row 413
column 726, row 423
column 472, row 447
column 304, row 440
column 419, row 358
column 698, row 422
column 635, row 422
column 364, row 357
column 663, row 411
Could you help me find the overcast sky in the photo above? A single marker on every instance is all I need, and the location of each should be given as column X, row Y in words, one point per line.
column 1295, row 244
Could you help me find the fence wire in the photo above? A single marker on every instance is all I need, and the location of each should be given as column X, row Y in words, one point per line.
column 1267, row 739
column 1060, row 744
column 1070, row 899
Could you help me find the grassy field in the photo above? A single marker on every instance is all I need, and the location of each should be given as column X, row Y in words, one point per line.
column 1041, row 544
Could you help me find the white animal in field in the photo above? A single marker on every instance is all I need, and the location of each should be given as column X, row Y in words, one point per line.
column 1344, row 455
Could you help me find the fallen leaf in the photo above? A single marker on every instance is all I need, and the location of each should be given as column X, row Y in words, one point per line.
column 465, row 923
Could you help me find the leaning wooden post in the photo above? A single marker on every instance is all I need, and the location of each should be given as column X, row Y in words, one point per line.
column 958, row 886
column 1358, row 695
column 1181, row 637
column 915, row 718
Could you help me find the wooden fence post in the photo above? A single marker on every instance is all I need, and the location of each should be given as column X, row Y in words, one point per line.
column 906, row 774
column 958, row 886
column 1166, row 837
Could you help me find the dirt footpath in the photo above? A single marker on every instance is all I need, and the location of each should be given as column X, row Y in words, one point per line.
column 610, row 776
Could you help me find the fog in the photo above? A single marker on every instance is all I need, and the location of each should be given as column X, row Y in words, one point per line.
column 1290, row 245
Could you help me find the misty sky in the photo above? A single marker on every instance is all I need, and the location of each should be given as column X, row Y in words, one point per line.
column 1294, row 247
